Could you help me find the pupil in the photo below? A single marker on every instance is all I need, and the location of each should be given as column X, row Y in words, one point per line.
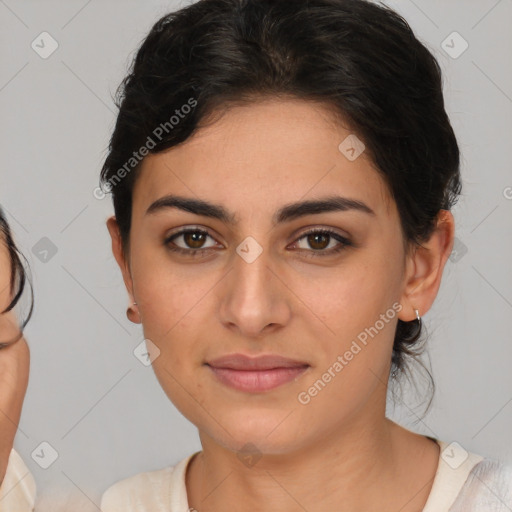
column 196, row 241
column 315, row 237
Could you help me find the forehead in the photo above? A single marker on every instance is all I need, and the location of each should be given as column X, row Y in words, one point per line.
column 261, row 155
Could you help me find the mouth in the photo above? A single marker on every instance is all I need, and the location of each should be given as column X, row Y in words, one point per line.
column 256, row 374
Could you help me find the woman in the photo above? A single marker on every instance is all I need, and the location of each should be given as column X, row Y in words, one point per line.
column 282, row 176
column 17, row 485
column 17, row 489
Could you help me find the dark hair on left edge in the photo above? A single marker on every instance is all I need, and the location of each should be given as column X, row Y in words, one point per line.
column 19, row 277
column 357, row 57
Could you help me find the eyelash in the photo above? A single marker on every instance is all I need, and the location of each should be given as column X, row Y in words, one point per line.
column 344, row 243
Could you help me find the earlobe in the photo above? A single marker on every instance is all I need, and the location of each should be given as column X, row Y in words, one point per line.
column 425, row 267
column 133, row 314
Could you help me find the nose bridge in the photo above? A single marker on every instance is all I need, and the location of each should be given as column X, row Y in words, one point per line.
column 251, row 275
column 251, row 261
column 253, row 299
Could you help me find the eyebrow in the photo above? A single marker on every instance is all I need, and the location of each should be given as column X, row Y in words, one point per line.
column 287, row 213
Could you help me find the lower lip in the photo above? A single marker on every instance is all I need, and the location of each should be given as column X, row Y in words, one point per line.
column 256, row 381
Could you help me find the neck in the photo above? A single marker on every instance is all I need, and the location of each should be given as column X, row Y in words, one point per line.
column 367, row 466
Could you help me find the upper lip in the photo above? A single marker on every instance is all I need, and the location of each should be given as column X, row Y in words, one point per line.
column 264, row 362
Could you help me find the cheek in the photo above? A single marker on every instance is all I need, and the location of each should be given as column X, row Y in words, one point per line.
column 355, row 313
column 349, row 297
column 172, row 300
column 353, row 342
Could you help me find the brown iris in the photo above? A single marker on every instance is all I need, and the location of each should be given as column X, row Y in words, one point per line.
column 313, row 240
column 194, row 239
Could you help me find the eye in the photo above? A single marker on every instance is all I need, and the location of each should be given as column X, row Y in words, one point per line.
column 323, row 242
column 318, row 242
column 189, row 241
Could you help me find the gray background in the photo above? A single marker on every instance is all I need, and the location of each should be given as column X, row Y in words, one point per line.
column 88, row 396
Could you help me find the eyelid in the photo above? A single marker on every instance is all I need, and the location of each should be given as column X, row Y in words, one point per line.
column 187, row 229
column 315, row 228
column 297, row 234
column 344, row 241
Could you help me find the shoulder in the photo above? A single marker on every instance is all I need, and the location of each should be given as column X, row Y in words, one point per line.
column 469, row 482
column 494, row 470
column 140, row 490
column 488, row 487
column 152, row 491
column 18, row 488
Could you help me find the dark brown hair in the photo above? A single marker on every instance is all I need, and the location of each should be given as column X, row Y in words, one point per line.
column 359, row 58
column 19, row 278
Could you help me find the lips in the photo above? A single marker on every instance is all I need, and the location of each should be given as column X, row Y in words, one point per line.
column 256, row 374
column 265, row 362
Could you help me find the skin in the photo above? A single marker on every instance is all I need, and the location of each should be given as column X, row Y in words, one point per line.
column 14, row 366
column 339, row 448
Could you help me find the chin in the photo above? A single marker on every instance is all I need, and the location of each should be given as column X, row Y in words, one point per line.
column 271, row 432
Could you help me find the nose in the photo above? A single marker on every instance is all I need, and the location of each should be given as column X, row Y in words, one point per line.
column 254, row 300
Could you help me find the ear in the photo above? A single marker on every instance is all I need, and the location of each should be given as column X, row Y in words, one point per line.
column 424, row 268
column 117, row 250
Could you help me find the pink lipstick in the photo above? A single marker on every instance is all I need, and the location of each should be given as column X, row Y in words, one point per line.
column 256, row 374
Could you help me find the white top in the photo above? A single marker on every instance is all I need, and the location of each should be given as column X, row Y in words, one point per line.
column 18, row 489
column 464, row 482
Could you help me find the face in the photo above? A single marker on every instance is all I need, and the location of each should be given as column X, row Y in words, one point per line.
column 9, row 328
column 259, row 282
